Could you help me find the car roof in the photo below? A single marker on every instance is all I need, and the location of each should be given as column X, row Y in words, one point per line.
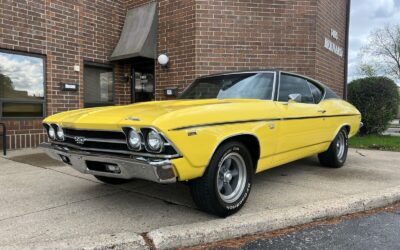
column 260, row 71
column 277, row 71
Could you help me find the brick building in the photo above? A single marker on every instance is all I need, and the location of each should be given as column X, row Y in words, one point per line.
column 50, row 47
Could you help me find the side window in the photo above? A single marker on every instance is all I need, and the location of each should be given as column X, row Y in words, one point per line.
column 294, row 85
column 316, row 92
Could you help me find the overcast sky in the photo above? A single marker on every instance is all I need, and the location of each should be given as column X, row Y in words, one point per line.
column 367, row 15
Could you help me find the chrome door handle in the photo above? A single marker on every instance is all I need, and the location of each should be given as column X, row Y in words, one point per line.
column 322, row 111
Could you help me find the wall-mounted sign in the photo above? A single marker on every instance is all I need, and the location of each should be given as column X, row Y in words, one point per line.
column 69, row 86
column 171, row 91
column 331, row 46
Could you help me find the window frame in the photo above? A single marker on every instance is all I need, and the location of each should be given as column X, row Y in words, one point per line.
column 274, row 83
column 318, row 87
column 293, row 75
column 22, row 100
column 104, row 66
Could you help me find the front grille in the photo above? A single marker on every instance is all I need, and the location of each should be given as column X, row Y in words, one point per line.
column 95, row 133
column 113, row 142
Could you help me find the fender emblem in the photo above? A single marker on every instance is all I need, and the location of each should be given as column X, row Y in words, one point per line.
column 271, row 125
column 80, row 139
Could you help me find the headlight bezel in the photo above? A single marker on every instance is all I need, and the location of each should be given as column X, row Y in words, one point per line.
column 145, row 145
column 51, row 135
column 57, row 130
column 128, row 135
column 158, row 136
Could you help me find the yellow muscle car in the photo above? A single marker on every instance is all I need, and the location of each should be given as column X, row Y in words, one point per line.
column 222, row 129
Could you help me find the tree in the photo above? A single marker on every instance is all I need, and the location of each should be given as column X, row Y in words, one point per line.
column 367, row 70
column 384, row 44
column 377, row 99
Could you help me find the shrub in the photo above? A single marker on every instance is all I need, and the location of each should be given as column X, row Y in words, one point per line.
column 377, row 99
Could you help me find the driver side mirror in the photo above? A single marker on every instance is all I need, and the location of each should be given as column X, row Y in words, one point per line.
column 294, row 98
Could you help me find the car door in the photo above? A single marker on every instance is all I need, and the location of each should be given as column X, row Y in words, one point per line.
column 301, row 122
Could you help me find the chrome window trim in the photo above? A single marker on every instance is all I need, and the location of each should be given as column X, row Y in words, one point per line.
column 309, row 88
column 323, row 92
column 306, row 78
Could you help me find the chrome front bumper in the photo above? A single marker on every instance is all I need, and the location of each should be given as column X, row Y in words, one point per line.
column 157, row 170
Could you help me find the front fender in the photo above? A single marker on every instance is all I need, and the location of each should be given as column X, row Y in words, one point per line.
column 197, row 145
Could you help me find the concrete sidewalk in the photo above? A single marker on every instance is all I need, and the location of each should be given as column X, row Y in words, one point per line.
column 55, row 206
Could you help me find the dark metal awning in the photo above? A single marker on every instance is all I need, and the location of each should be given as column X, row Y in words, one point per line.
column 139, row 34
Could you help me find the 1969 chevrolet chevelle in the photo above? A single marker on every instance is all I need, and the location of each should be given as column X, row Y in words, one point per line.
column 222, row 129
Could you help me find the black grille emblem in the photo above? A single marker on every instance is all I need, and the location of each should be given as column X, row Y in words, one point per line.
column 80, row 139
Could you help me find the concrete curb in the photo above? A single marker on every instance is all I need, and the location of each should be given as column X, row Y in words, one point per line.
column 104, row 241
column 236, row 226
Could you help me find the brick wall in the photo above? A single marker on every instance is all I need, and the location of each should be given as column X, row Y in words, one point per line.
column 67, row 33
column 245, row 34
column 176, row 38
column 199, row 36
column 329, row 66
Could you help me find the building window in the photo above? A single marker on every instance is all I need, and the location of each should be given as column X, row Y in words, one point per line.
column 99, row 85
column 21, row 85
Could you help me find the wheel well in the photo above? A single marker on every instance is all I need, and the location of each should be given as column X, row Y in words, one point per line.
column 252, row 144
column 347, row 127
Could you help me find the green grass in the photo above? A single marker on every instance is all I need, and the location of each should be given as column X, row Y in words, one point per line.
column 378, row 142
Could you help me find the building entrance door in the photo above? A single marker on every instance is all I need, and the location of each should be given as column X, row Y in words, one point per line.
column 143, row 81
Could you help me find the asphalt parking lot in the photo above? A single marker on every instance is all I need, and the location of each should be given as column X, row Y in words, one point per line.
column 49, row 202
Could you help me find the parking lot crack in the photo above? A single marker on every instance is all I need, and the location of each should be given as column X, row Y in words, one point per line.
column 169, row 202
column 358, row 152
column 149, row 242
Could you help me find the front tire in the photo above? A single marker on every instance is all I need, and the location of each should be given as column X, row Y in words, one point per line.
column 336, row 155
column 225, row 186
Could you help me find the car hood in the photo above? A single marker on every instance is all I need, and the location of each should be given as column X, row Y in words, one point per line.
column 165, row 114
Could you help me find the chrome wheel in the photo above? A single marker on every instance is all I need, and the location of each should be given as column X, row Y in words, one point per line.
column 340, row 145
column 231, row 177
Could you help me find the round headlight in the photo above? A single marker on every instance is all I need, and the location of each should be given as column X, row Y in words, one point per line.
column 134, row 140
column 154, row 141
column 52, row 132
column 60, row 133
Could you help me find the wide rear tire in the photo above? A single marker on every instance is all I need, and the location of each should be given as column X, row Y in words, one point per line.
column 336, row 155
column 225, row 186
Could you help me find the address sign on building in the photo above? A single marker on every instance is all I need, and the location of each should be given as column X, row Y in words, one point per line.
column 331, row 46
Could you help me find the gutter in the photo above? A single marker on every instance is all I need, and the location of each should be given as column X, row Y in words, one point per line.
column 346, row 49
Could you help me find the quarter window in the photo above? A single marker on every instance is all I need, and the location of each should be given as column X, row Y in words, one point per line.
column 21, row 85
column 98, row 85
column 294, row 85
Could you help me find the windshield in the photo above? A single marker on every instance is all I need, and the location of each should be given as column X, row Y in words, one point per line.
column 242, row 86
